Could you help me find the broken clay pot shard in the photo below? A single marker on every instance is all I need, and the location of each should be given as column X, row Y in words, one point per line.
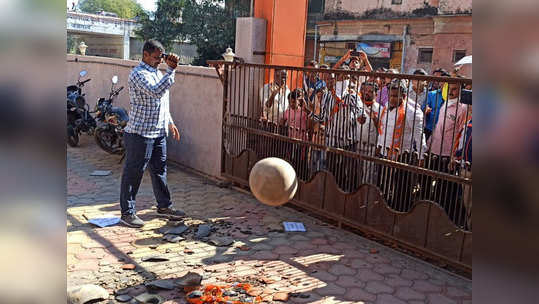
column 189, row 280
column 86, row 293
column 162, row 284
column 203, row 231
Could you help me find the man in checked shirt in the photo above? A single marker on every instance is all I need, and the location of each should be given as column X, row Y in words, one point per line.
column 145, row 135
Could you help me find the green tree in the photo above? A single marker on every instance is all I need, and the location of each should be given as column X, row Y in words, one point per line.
column 123, row 8
column 163, row 25
column 72, row 44
column 211, row 27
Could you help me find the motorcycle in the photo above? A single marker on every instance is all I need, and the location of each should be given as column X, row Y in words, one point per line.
column 111, row 122
column 78, row 112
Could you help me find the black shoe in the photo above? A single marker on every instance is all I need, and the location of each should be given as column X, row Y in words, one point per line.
column 170, row 212
column 132, row 220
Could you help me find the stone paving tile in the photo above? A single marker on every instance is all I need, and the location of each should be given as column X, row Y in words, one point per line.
column 457, row 293
column 359, row 294
column 377, row 287
column 324, row 264
column 397, row 281
column 440, row 299
column 425, row 286
column 408, row 294
column 340, row 269
column 367, row 275
column 389, row 299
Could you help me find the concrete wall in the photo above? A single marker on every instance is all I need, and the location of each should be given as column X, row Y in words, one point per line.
column 451, row 34
column 100, row 45
column 365, row 5
column 454, row 6
column 251, row 39
column 355, row 7
column 195, row 104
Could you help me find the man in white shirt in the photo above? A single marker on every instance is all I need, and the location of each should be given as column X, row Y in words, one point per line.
column 400, row 125
column 400, row 133
column 367, row 129
column 273, row 97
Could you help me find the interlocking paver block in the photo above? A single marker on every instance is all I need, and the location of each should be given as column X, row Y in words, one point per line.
column 376, row 287
column 327, row 264
column 367, row 275
column 331, row 289
column 440, row 299
column 359, row 294
column 425, row 286
column 388, row 299
column 340, row 269
column 407, row 294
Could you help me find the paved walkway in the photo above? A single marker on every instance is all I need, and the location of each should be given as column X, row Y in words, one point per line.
column 322, row 265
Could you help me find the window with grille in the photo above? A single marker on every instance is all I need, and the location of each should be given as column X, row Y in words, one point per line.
column 424, row 55
column 458, row 55
column 396, row 1
column 316, row 6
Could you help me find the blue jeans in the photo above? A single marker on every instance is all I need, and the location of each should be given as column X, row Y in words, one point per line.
column 141, row 152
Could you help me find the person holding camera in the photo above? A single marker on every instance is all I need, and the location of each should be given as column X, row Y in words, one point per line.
column 145, row 134
column 358, row 61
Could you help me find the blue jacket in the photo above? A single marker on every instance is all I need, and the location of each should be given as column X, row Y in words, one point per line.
column 435, row 102
column 466, row 152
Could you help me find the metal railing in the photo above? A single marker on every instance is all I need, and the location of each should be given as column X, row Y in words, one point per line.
column 380, row 129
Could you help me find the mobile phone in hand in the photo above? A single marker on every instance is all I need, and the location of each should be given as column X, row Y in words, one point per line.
column 354, row 54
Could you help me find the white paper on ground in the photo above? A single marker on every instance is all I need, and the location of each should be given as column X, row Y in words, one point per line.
column 100, row 173
column 294, row 226
column 104, row 221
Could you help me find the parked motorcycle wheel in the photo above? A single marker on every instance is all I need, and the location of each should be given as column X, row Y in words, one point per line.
column 72, row 137
column 106, row 140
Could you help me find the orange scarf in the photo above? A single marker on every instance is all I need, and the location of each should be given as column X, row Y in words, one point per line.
column 397, row 132
column 339, row 102
column 461, row 129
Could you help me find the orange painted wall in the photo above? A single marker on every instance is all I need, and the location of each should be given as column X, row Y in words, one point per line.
column 286, row 29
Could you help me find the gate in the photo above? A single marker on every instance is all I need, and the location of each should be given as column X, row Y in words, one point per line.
column 364, row 167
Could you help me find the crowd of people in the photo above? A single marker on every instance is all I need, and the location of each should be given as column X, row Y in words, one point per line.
column 401, row 118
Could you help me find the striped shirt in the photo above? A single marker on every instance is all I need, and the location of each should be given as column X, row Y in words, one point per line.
column 149, row 98
column 340, row 125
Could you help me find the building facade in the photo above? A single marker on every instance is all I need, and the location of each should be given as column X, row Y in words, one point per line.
column 400, row 34
column 113, row 37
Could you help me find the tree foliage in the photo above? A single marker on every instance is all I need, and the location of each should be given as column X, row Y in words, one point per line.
column 72, row 44
column 210, row 27
column 164, row 24
column 207, row 24
column 123, row 8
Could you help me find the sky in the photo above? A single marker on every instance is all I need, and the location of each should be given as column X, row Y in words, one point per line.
column 148, row 5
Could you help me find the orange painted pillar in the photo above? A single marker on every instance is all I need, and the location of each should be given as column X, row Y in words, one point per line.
column 286, row 29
